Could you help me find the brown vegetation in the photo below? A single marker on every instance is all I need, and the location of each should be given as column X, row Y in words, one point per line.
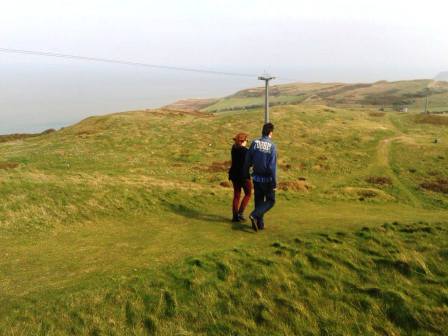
column 379, row 180
column 285, row 166
column 300, row 185
column 84, row 133
column 432, row 119
column 8, row 165
column 440, row 185
column 225, row 184
column 217, row 167
column 377, row 114
column 367, row 193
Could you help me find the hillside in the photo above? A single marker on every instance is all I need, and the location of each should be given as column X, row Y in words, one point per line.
column 386, row 95
column 194, row 104
column 120, row 225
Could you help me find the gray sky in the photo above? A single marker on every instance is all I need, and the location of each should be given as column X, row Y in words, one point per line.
column 318, row 40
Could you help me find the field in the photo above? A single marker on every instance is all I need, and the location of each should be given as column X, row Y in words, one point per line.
column 120, row 225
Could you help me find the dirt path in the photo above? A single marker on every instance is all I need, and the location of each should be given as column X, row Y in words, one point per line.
column 383, row 159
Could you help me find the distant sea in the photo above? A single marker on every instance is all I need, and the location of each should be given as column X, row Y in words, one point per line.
column 35, row 96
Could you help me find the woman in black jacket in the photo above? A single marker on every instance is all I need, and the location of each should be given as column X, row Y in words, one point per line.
column 240, row 178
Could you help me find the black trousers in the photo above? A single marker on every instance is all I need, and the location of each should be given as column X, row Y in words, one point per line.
column 264, row 201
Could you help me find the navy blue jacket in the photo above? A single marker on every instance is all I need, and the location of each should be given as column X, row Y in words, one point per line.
column 262, row 156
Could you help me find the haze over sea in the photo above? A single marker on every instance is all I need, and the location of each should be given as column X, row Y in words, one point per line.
column 36, row 96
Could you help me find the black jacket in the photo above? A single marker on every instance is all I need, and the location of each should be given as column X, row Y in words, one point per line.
column 237, row 173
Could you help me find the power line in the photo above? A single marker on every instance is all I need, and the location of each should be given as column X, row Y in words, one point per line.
column 121, row 62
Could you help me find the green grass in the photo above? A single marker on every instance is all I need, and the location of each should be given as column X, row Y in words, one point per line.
column 390, row 279
column 238, row 103
column 383, row 94
column 119, row 225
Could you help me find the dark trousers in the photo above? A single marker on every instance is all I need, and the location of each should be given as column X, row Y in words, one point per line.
column 264, row 201
column 238, row 208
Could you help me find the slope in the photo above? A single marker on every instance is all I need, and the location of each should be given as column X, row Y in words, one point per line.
column 118, row 197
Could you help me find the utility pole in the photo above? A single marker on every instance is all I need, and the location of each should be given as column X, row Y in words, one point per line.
column 266, row 79
column 426, row 104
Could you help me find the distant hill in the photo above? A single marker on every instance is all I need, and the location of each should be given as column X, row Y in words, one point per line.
column 192, row 104
column 382, row 94
column 20, row 136
column 443, row 76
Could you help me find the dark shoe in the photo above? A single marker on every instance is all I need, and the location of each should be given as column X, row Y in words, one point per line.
column 254, row 224
column 241, row 217
column 235, row 219
column 260, row 225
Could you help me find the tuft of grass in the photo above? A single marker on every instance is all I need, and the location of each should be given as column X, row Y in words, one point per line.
column 131, row 314
column 223, row 271
column 150, row 325
column 170, row 305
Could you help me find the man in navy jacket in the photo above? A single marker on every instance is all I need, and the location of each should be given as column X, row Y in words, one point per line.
column 262, row 157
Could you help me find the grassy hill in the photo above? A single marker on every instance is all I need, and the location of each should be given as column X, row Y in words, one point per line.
column 120, row 225
column 383, row 94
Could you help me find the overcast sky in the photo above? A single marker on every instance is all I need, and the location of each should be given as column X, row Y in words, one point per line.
column 320, row 40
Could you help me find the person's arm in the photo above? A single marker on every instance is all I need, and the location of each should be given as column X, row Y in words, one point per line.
column 273, row 166
column 248, row 161
column 232, row 158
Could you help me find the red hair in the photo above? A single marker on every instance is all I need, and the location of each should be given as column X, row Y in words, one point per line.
column 240, row 138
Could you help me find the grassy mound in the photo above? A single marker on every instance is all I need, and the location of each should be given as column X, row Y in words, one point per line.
column 389, row 280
